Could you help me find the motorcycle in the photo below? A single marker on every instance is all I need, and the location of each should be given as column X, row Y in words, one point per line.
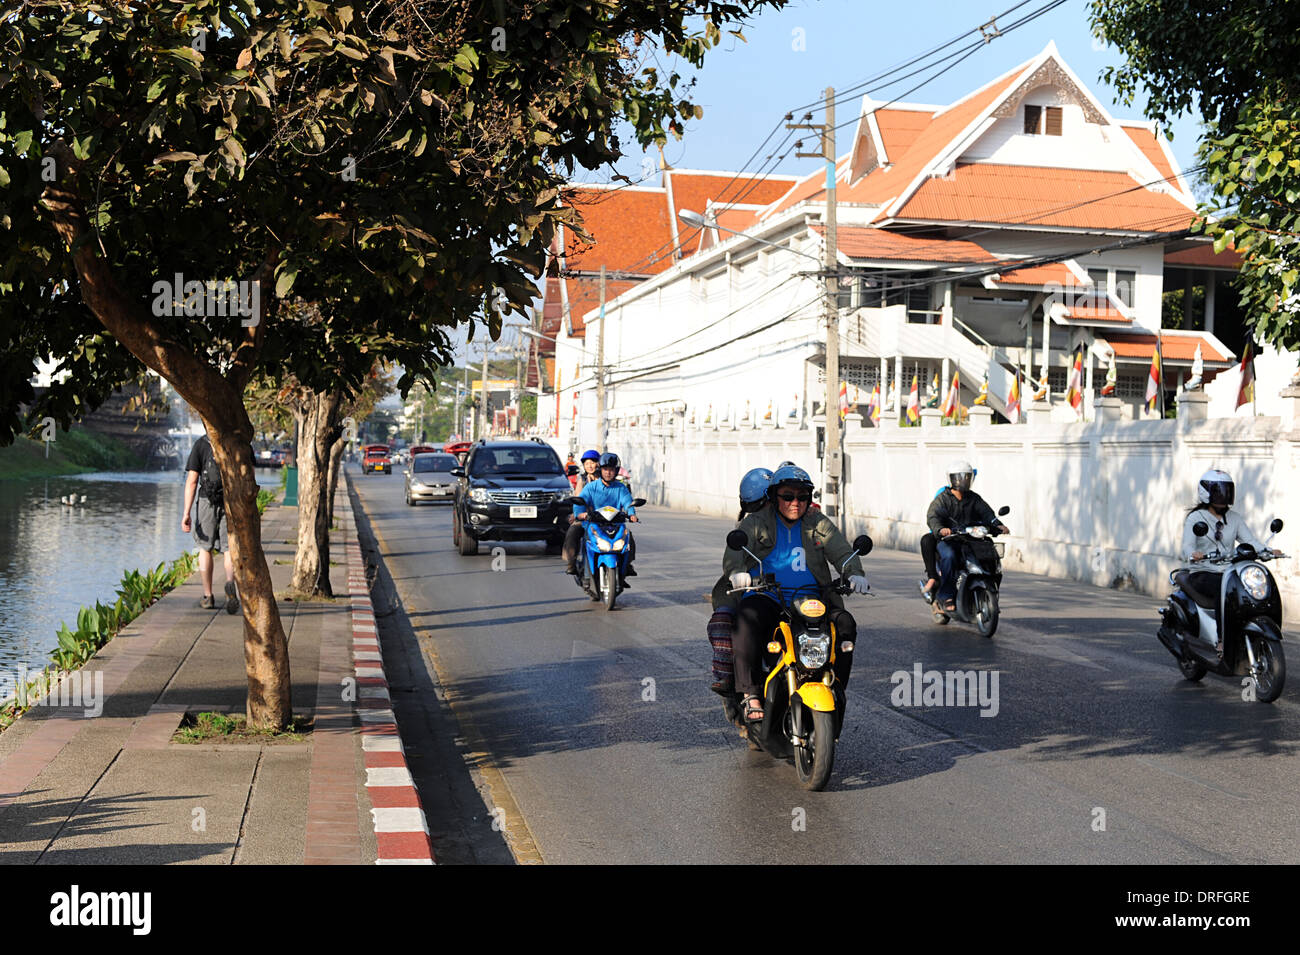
column 979, row 576
column 803, row 705
column 603, row 561
column 1244, row 619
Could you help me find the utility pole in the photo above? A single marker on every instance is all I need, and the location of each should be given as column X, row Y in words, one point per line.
column 482, row 397
column 833, row 453
column 600, row 369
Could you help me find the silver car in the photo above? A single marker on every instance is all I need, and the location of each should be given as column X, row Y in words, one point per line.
column 428, row 478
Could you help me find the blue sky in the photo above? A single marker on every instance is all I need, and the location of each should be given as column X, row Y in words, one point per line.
column 790, row 57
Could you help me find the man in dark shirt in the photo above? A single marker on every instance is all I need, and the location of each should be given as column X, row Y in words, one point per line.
column 203, row 480
column 955, row 509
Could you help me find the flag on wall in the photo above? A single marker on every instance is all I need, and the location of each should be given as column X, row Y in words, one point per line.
column 844, row 399
column 873, row 404
column 1246, row 391
column 1013, row 400
column 914, row 403
column 983, row 397
column 1153, row 379
column 1074, row 392
column 952, row 401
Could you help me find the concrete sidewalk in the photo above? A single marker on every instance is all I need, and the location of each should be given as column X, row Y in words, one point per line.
column 113, row 788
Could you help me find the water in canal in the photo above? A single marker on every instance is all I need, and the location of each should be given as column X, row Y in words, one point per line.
column 55, row 559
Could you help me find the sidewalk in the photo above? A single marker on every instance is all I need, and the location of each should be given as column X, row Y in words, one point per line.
column 112, row 788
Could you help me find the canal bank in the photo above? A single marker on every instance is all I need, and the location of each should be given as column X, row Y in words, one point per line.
column 71, row 452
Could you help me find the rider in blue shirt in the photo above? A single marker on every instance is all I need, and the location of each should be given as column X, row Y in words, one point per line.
column 607, row 492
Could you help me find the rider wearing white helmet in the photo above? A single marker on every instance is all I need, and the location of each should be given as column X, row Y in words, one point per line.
column 953, row 509
column 1215, row 493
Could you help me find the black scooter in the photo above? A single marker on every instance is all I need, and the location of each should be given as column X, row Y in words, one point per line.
column 1234, row 632
column 979, row 577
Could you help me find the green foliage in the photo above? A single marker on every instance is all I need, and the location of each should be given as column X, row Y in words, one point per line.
column 264, row 498
column 1238, row 65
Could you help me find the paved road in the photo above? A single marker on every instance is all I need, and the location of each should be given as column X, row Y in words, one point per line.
column 1094, row 724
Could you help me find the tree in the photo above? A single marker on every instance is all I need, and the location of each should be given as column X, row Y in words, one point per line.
column 170, row 172
column 1238, row 65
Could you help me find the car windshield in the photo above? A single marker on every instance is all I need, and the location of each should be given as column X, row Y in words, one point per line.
column 537, row 460
column 433, row 462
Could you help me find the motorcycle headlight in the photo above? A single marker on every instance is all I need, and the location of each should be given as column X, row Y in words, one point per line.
column 603, row 544
column 1255, row 581
column 479, row 495
column 814, row 649
column 979, row 533
column 618, row 544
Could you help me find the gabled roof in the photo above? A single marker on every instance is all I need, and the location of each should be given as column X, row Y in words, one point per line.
column 629, row 224
column 1177, row 346
column 864, row 243
column 695, row 190
column 1058, row 274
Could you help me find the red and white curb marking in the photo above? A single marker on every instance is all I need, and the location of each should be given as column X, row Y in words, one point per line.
column 401, row 831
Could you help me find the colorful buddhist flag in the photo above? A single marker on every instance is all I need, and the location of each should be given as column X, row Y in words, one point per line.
column 1246, row 390
column 1153, row 380
column 1074, row 392
column 844, row 399
column 873, row 404
column 914, row 403
column 952, row 401
column 1013, row 400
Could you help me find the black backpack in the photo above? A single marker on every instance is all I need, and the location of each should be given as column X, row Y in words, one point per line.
column 210, row 479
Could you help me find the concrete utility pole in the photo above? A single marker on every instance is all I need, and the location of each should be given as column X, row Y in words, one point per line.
column 600, row 368
column 831, row 464
column 482, row 397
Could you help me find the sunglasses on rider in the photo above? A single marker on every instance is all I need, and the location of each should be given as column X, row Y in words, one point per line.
column 801, row 498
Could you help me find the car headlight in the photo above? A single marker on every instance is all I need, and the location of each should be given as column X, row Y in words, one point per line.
column 618, row 544
column 603, row 544
column 479, row 495
column 1255, row 581
column 814, row 648
column 562, row 496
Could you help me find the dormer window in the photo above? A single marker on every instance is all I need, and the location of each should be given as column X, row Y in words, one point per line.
column 1042, row 119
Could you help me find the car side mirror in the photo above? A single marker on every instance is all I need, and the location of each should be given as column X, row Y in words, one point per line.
column 458, row 472
column 863, row 545
column 1004, row 511
column 1276, row 526
column 737, row 540
column 1200, row 528
column 637, row 502
column 572, row 470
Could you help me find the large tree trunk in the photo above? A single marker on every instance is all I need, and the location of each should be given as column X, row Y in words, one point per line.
column 311, row 565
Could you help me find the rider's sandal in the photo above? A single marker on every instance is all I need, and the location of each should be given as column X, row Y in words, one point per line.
column 927, row 594
column 752, row 707
column 938, row 615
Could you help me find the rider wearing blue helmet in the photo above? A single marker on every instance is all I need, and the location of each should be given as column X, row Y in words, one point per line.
column 590, row 467
column 604, row 490
column 799, row 547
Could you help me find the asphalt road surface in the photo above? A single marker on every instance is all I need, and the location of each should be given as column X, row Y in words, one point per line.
column 591, row 737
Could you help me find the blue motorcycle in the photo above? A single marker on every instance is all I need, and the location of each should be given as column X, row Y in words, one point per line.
column 605, row 552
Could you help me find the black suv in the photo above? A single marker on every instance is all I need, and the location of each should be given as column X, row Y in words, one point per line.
column 511, row 490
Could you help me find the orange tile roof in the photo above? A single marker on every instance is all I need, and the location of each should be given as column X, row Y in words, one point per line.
column 1098, row 313
column 1038, row 196
column 1203, row 256
column 1146, row 141
column 1172, row 347
column 628, row 225
column 694, row 191
column 584, row 295
column 1057, row 273
column 866, row 243
column 899, row 129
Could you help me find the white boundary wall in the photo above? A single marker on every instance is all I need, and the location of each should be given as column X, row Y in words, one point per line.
column 1102, row 502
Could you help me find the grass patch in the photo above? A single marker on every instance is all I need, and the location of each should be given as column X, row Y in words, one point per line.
column 71, row 452
column 221, row 728
column 280, row 560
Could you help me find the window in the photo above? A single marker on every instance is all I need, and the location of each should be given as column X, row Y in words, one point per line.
column 1053, row 125
column 433, row 462
column 1100, row 279
column 1033, row 119
column 1057, row 379
column 515, row 461
column 1125, row 283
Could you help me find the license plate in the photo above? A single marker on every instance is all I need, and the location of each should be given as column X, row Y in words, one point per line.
column 523, row 510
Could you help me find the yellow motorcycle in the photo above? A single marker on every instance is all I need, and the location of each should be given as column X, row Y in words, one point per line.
column 803, row 705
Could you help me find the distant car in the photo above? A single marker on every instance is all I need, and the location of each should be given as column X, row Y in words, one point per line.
column 377, row 459
column 429, row 478
column 266, row 458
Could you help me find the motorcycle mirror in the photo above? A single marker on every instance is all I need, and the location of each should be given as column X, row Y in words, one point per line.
column 572, row 470
column 1276, row 526
column 1004, row 511
column 637, row 502
column 581, row 501
column 1200, row 528
column 863, row 545
column 737, row 540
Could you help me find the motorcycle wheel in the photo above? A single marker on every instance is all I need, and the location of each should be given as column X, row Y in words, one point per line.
column 1270, row 682
column 813, row 762
column 608, row 587
column 986, row 612
column 1191, row 670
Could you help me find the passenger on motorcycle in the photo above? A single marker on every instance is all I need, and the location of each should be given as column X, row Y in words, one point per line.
column 721, row 627
column 799, row 548
column 590, row 466
column 605, row 491
column 952, row 510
